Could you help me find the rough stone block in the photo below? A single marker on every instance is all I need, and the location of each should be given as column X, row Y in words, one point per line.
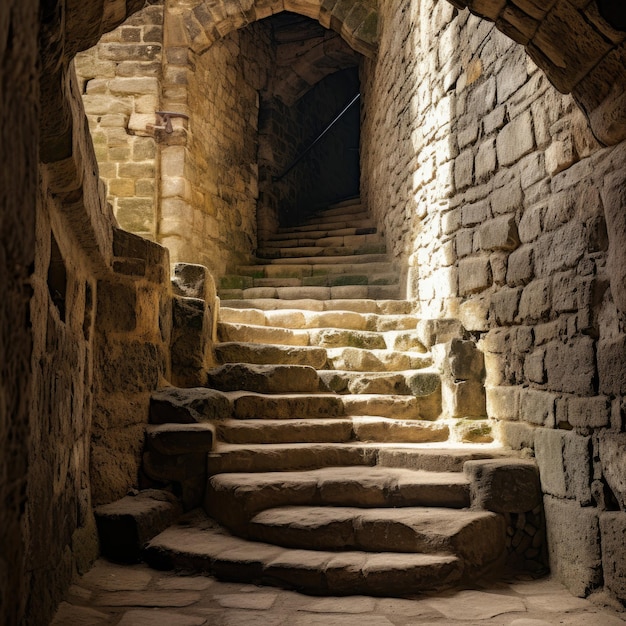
column 474, row 275
column 612, row 452
column 564, row 460
column 560, row 155
column 463, row 398
column 538, row 407
column 125, row 526
column 536, row 300
column 570, row 367
column 515, row 140
column 504, row 485
column 503, row 402
column 193, row 281
column 573, row 535
column 499, row 234
column 611, row 372
column 462, row 360
column 188, row 406
column 172, row 439
column 589, row 412
column 613, row 532
column 505, row 305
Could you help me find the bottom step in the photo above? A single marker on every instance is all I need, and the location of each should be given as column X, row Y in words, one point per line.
column 198, row 544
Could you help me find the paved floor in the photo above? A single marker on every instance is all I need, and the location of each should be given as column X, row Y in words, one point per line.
column 140, row 596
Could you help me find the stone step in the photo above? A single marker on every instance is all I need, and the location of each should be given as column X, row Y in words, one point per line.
column 405, row 350
column 301, row 319
column 477, row 537
column 234, row 499
column 321, row 233
column 358, row 305
column 273, row 378
column 329, row 260
column 198, row 544
column 329, row 216
column 348, row 221
column 330, row 280
column 341, row 292
column 267, row 354
column 407, row 382
column 310, row 270
column 327, row 241
column 337, row 430
column 331, row 251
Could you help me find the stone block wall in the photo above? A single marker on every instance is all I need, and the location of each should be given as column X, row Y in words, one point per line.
column 508, row 214
column 121, row 82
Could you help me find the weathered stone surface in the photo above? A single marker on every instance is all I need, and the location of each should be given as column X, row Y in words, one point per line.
column 126, row 525
column 193, row 281
column 573, row 535
column 564, row 460
column 264, row 378
column 188, row 406
column 613, row 463
column 613, row 532
column 504, row 486
column 173, row 439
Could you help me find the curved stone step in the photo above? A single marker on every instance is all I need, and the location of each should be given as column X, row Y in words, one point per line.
column 377, row 257
column 317, row 239
column 356, row 292
column 478, row 537
column 306, row 270
column 337, row 430
column 332, row 251
column 197, row 544
column 360, row 360
column 235, row 498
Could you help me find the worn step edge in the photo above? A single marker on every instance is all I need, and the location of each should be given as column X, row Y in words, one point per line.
column 204, row 548
column 478, row 537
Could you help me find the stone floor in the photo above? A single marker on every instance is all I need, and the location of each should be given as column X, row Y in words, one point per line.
column 139, row 596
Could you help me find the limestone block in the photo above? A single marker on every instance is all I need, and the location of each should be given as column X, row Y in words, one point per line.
column 517, row 435
column 464, row 169
column 193, row 281
column 589, row 412
column 264, row 378
column 435, row 331
column 126, row 525
column 560, row 155
column 573, row 536
column 172, row 439
column 473, row 431
column 191, row 345
column 117, row 306
column 504, row 485
column 474, row 275
column 463, row 398
column 461, row 360
column 485, row 162
column 134, row 86
column 614, row 202
column 476, row 213
column 612, row 449
column 499, row 234
column 613, row 530
column 188, row 406
column 538, row 407
column 474, row 313
column 503, row 402
column 534, row 366
column 515, row 140
column 564, row 460
column 570, row 367
column 536, row 300
column 530, row 225
column 505, row 305
column 611, row 371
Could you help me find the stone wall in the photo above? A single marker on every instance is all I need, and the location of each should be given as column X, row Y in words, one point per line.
column 18, row 155
column 121, row 82
column 218, row 228
column 494, row 193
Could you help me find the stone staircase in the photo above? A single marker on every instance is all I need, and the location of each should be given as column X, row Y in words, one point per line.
column 337, row 254
column 341, row 446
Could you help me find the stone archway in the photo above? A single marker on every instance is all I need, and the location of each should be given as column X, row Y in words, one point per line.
column 201, row 23
column 578, row 49
column 193, row 30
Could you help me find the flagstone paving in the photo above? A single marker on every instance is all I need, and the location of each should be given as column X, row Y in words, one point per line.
column 123, row 595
